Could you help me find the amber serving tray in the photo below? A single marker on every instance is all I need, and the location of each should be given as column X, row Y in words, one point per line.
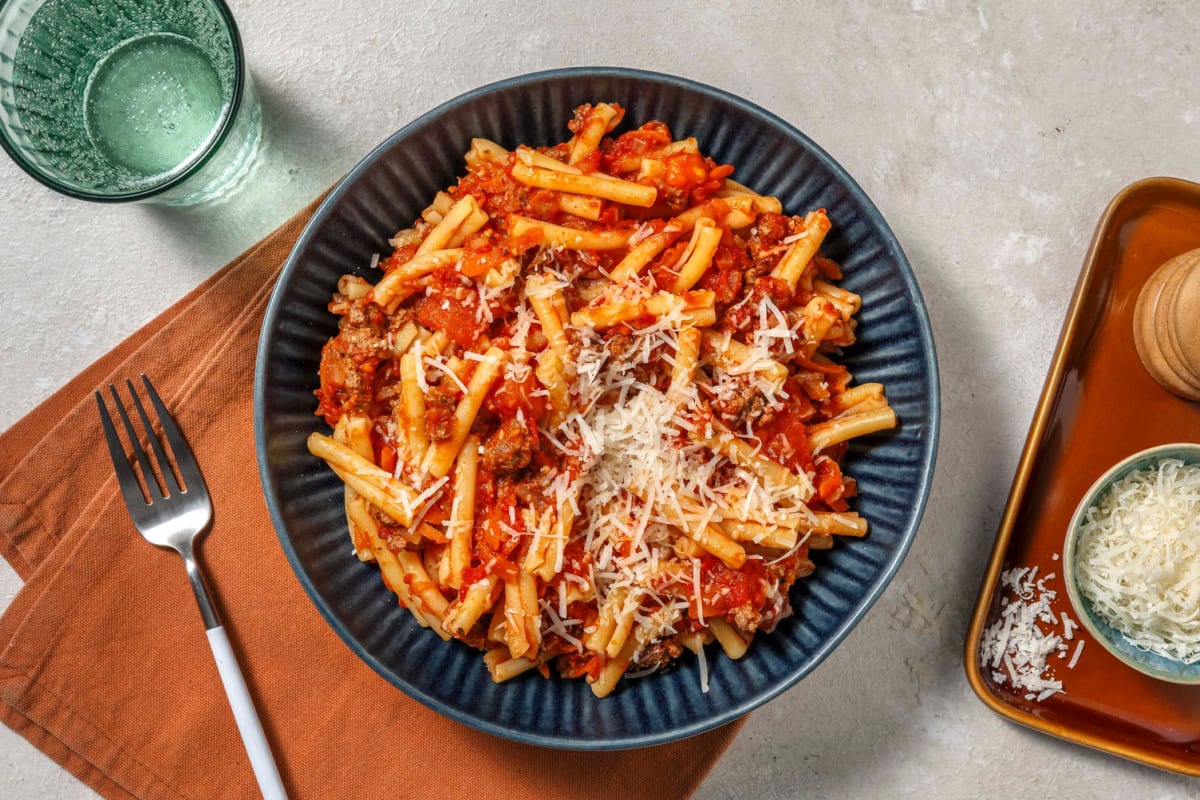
column 1098, row 405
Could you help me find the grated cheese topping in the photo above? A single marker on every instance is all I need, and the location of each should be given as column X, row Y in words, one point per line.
column 1017, row 645
column 1138, row 559
column 640, row 477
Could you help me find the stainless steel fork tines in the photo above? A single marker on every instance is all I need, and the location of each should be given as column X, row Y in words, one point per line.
column 171, row 512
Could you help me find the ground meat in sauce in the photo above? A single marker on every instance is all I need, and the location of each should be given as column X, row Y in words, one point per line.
column 746, row 618
column 533, row 492
column 619, row 346
column 768, row 231
column 440, row 402
column 392, row 538
column 743, row 404
column 744, row 315
column 510, row 448
column 774, row 613
column 349, row 360
column 675, row 199
column 659, row 654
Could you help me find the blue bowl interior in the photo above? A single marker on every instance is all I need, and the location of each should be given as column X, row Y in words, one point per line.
column 383, row 194
column 1110, row 638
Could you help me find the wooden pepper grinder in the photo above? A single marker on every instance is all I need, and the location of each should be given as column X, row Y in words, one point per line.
column 1166, row 325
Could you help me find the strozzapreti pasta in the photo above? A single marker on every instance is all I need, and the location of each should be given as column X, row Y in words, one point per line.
column 589, row 415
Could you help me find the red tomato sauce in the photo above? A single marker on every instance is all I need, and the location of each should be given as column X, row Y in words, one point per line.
column 723, row 589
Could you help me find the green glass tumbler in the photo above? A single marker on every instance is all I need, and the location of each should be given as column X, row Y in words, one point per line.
column 124, row 100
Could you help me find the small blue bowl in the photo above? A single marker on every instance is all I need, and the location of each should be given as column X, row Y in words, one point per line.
column 1115, row 642
column 383, row 194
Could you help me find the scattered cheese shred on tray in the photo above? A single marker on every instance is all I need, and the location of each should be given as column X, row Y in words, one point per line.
column 1139, row 559
column 1018, row 645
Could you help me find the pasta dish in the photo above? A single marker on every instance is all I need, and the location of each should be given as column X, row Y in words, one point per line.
column 589, row 415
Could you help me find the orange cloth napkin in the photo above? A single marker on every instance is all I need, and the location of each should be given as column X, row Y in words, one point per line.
column 104, row 664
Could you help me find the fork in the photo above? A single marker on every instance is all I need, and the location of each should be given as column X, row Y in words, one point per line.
column 172, row 515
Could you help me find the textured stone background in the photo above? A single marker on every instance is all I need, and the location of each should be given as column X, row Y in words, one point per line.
column 991, row 137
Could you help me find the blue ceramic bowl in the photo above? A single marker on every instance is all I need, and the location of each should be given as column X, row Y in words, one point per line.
column 1115, row 642
column 383, row 194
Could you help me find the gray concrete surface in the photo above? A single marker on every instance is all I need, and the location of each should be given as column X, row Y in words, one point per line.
column 991, row 136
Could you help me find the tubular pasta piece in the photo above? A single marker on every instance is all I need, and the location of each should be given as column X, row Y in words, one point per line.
column 695, row 640
column 698, row 255
column 846, row 302
column 762, row 204
column 847, row 523
column 441, row 455
column 422, row 586
column 606, row 622
column 441, row 233
column 741, row 211
column 502, row 667
column 631, row 163
column 358, row 437
column 597, row 185
column 648, row 249
column 569, row 238
column 377, row 486
column 864, row 397
column 485, row 150
column 696, row 308
column 546, row 297
column 353, row 287
column 687, row 353
column 781, row 538
column 800, row 253
column 357, row 518
column 405, row 237
column 582, row 207
column 551, row 373
column 602, row 119
column 464, row 612
column 840, row 429
column 732, row 188
column 731, row 641
column 686, row 547
column 532, row 158
column 623, row 614
column 514, row 621
column 461, row 525
column 739, row 359
column 394, row 577
column 398, row 284
column 438, row 208
column 410, row 410
column 469, row 227
column 713, row 539
column 643, row 253
column 724, row 442
column 612, row 670
column 403, row 339
column 504, row 275
column 522, row 615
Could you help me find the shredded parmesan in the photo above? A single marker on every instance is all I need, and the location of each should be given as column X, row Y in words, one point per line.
column 640, row 477
column 1017, row 645
column 1138, row 559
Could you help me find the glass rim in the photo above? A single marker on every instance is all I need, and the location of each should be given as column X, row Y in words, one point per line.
column 227, row 121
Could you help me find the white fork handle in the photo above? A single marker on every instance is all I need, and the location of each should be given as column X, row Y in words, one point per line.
column 248, row 723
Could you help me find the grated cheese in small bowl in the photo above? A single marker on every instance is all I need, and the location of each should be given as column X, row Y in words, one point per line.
column 1132, row 561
